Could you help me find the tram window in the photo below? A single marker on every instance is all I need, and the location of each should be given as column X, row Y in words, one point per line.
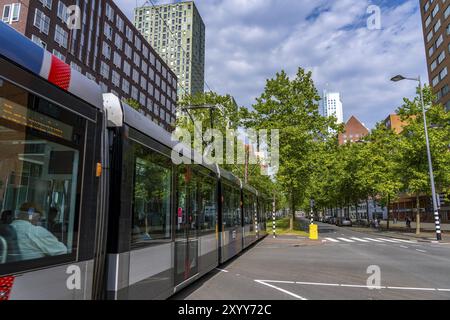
column 208, row 204
column 39, row 168
column 152, row 186
column 231, row 211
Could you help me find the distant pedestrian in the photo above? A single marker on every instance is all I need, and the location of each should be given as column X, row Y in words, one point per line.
column 408, row 222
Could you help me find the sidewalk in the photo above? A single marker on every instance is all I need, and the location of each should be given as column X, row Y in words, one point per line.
column 424, row 226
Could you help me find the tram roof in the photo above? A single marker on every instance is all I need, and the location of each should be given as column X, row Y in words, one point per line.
column 17, row 48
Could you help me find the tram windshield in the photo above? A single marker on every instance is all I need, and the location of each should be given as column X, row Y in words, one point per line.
column 39, row 166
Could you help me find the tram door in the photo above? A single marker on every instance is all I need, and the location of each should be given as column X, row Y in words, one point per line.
column 186, row 235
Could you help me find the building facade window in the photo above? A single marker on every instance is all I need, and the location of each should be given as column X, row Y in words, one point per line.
column 46, row 3
column 115, row 78
column 108, row 31
column 38, row 41
column 119, row 23
column 109, row 12
column 106, row 50
column 11, row 13
column 59, row 55
column 435, row 10
column 41, row 21
column 126, row 86
column 61, row 36
column 104, row 70
column 447, row 12
column 439, row 41
column 75, row 66
column 62, row 11
column 118, row 41
column 441, row 57
column 126, row 68
column 117, row 60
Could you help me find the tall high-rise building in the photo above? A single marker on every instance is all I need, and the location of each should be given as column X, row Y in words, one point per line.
column 105, row 47
column 436, row 30
column 332, row 106
column 177, row 33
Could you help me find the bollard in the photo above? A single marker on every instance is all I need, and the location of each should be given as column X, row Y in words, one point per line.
column 313, row 232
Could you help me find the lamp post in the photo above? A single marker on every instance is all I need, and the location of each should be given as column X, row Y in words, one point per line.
column 430, row 163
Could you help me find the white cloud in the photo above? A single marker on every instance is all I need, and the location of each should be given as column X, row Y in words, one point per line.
column 248, row 41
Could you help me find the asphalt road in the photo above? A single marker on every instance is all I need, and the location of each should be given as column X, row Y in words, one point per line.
column 336, row 267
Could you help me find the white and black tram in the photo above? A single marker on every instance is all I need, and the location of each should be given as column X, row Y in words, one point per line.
column 92, row 206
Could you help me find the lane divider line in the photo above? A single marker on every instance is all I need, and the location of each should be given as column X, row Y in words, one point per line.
column 266, row 282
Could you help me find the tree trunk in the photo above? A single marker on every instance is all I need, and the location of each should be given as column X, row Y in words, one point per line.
column 367, row 211
column 389, row 200
column 292, row 216
column 417, row 214
column 356, row 209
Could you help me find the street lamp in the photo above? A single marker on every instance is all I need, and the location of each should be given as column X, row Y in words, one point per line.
column 430, row 164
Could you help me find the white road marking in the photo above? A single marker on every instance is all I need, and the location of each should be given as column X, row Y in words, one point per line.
column 358, row 239
column 388, row 240
column 346, row 240
column 266, row 282
column 405, row 247
column 356, row 286
column 319, row 284
column 375, row 240
column 421, row 250
column 416, row 289
column 406, row 241
column 332, row 239
column 281, row 290
column 222, row 270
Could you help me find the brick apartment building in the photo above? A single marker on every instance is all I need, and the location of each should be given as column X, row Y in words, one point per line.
column 436, row 30
column 107, row 48
column 354, row 131
column 393, row 122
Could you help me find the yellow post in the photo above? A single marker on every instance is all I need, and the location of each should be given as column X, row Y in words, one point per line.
column 313, row 232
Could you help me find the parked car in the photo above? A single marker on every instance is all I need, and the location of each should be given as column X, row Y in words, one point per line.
column 343, row 222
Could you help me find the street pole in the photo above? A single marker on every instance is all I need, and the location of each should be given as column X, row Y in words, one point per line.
column 273, row 216
column 437, row 220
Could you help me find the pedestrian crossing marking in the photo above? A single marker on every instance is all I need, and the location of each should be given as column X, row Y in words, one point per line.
column 388, row 240
column 374, row 240
column 358, row 239
column 367, row 240
column 346, row 240
column 406, row 241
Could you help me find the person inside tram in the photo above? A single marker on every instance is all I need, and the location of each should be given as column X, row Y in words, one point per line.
column 7, row 217
column 33, row 240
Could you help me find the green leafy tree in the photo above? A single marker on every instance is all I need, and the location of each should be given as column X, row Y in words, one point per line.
column 291, row 106
column 414, row 161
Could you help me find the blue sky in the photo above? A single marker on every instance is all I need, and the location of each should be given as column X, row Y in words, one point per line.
column 248, row 41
